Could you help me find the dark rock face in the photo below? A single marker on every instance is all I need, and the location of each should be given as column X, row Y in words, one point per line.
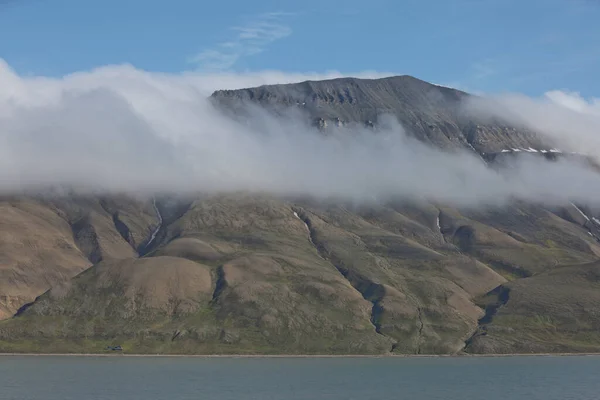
column 433, row 114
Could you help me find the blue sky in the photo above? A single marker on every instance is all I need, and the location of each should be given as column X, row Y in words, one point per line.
column 528, row 46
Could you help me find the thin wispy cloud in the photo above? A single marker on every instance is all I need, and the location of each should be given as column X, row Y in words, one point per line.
column 250, row 39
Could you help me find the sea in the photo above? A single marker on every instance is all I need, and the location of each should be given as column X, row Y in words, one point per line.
column 344, row 378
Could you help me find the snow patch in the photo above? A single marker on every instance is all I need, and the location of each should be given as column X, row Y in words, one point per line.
column 305, row 225
column 160, row 222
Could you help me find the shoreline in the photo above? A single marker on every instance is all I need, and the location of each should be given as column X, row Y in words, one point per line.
column 299, row 355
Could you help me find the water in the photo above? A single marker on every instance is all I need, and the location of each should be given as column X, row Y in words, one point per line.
column 129, row 378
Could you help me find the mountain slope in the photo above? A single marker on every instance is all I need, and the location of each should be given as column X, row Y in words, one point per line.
column 255, row 274
column 555, row 311
column 47, row 241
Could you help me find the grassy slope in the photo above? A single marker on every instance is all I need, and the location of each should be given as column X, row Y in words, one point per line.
column 243, row 274
column 47, row 241
column 555, row 311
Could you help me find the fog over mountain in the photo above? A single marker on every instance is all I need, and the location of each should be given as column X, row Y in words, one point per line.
column 564, row 116
column 117, row 128
column 191, row 216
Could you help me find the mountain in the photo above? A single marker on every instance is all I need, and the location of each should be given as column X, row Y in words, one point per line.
column 248, row 273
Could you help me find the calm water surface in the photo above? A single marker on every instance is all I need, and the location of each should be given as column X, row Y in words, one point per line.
column 129, row 378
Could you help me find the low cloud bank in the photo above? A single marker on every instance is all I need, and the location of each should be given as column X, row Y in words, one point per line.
column 563, row 117
column 120, row 129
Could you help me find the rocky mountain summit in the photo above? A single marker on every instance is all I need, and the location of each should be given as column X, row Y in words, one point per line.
column 433, row 114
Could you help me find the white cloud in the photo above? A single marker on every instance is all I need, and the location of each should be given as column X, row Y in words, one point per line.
column 121, row 129
column 574, row 101
column 250, row 39
column 566, row 118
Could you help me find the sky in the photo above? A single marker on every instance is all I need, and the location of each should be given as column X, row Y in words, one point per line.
column 491, row 46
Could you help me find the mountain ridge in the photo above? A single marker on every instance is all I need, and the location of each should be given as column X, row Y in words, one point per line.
column 434, row 114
